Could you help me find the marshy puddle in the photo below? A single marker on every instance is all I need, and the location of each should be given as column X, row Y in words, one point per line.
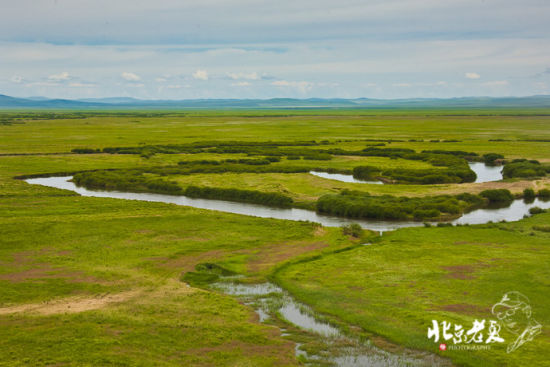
column 337, row 349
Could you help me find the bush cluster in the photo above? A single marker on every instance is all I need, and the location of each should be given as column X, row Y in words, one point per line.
column 523, row 168
column 354, row 204
column 245, row 196
column 497, row 196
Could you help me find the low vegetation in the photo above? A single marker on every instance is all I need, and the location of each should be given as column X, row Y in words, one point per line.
column 355, row 204
column 524, row 168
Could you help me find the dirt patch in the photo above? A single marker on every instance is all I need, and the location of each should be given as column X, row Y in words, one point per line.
column 188, row 262
column 488, row 244
column 270, row 255
column 283, row 352
column 320, row 231
column 45, row 271
column 463, row 271
column 514, row 187
column 464, row 308
column 26, row 265
column 87, row 303
column 70, row 305
column 173, row 238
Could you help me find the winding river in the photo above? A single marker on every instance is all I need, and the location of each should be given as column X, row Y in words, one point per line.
column 344, row 350
column 516, row 211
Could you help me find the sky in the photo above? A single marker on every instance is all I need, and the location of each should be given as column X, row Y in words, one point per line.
column 188, row 49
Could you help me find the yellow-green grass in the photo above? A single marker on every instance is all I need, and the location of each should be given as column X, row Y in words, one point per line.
column 58, row 249
column 60, row 252
column 101, row 131
column 397, row 286
column 306, row 188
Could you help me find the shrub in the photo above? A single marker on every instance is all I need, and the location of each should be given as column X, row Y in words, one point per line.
column 85, row 151
column 353, row 230
column 490, row 158
column 529, row 194
column 365, row 172
column 246, row 196
column 355, row 204
column 544, row 194
column 536, row 210
column 542, row 228
column 523, row 168
column 497, row 195
column 426, row 214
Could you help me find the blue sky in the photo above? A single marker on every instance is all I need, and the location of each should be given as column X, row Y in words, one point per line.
column 166, row 49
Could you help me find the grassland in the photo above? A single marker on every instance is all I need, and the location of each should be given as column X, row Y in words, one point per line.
column 396, row 286
column 91, row 281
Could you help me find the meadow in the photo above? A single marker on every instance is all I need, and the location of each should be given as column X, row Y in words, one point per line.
column 97, row 281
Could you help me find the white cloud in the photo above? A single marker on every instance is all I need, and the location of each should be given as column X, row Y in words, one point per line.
column 496, row 83
column 16, row 79
column 131, row 77
column 302, row 86
column 160, row 80
column 173, row 86
column 402, row 85
column 43, row 84
column 60, row 77
column 81, row 85
column 241, row 84
column 472, row 75
column 249, row 76
column 200, row 75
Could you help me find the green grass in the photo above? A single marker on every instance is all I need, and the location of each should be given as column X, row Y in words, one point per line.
column 99, row 131
column 56, row 246
column 396, row 286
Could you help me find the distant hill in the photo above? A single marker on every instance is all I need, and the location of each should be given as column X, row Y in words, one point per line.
column 7, row 102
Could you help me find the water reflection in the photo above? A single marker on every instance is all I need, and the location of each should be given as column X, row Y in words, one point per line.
column 343, row 178
column 516, row 211
column 486, row 173
column 267, row 299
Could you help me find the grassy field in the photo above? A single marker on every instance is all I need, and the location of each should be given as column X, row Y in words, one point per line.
column 100, row 278
column 396, row 286
column 91, row 281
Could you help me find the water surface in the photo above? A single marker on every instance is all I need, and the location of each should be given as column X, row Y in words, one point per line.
column 514, row 212
column 343, row 178
column 486, row 173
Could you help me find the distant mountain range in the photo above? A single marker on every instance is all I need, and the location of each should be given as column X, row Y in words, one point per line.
column 121, row 103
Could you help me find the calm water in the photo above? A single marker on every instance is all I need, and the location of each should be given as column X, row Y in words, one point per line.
column 514, row 212
column 483, row 172
column 224, row 206
column 269, row 301
column 486, row 173
column 343, row 178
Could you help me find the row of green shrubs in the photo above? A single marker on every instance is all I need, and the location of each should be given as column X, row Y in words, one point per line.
column 416, row 176
column 135, row 181
column 125, row 180
column 524, row 168
column 245, row 196
column 355, row 204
